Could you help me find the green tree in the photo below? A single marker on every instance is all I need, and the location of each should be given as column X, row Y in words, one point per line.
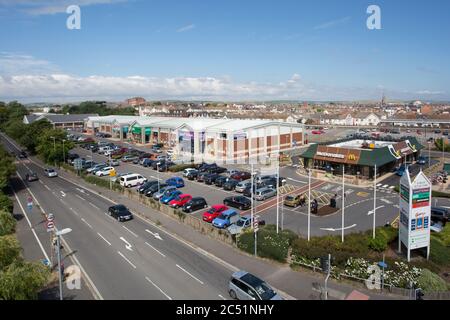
column 15, row 128
column 7, row 167
column 30, row 136
column 51, row 150
column 16, row 110
column 9, row 250
column 438, row 144
column 7, row 223
column 23, row 280
column 6, row 203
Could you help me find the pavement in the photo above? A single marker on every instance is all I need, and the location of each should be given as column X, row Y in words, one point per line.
column 140, row 259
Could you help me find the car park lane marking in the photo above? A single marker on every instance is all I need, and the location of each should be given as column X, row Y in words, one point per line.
column 82, row 219
column 104, row 238
column 187, row 272
column 162, row 254
column 134, row 234
column 160, row 290
column 126, row 259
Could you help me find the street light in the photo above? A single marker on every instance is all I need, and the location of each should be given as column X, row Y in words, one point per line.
column 58, row 243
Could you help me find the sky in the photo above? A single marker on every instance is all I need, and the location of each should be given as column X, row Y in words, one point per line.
column 234, row 50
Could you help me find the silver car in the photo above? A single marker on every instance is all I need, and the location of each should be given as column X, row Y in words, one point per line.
column 245, row 286
column 161, row 192
column 241, row 186
column 265, row 193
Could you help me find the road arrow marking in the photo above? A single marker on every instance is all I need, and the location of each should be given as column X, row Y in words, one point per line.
column 371, row 211
column 386, row 201
column 156, row 235
column 62, row 193
column 128, row 245
column 338, row 229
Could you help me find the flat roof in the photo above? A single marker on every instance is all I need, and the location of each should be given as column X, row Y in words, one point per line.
column 358, row 144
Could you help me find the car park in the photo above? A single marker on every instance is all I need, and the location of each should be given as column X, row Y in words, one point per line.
column 245, row 286
column 106, row 171
column 210, row 178
column 150, row 191
column 240, row 202
column 157, row 195
column 230, row 184
column 213, row 212
column 265, row 193
column 188, row 170
column 180, row 200
column 176, row 182
column 241, row 186
column 50, row 172
column 243, row 223
column 195, row 204
column 169, row 196
column 225, row 219
column 440, row 214
column 32, row 176
column 120, row 212
column 132, row 180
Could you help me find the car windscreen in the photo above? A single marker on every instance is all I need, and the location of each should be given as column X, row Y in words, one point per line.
column 289, row 198
column 241, row 222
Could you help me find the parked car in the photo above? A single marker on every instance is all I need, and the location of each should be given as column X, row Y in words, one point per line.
column 165, row 166
column 225, row 219
column 71, row 157
column 210, row 178
column 188, row 170
column 201, row 176
column 294, row 200
column 265, row 193
column 180, row 200
column 213, row 212
column 176, row 182
column 150, row 191
column 130, row 158
column 50, row 172
column 157, row 195
column 245, row 286
column 422, row 160
column 440, row 214
column 243, row 223
column 195, row 204
column 132, row 180
column 220, row 181
column 86, row 164
column 241, row 176
column 241, row 186
column 192, row 175
column 169, row 196
column 230, row 184
column 120, row 212
column 147, row 162
column 205, row 167
column 113, row 162
column 401, row 170
column 230, row 172
column 436, row 226
column 104, row 171
column 240, row 202
column 217, row 170
column 96, row 167
column 32, row 176
column 145, row 186
column 117, row 177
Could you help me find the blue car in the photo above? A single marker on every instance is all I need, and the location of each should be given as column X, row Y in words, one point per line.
column 169, row 196
column 176, row 182
column 227, row 218
column 400, row 171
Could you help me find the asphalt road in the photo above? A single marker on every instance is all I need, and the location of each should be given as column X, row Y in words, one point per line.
column 123, row 260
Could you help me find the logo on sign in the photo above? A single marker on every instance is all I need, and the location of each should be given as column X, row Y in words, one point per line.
column 351, row 157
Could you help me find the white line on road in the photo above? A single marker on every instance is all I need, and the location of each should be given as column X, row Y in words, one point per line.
column 125, row 258
column 62, row 193
column 94, row 205
column 158, row 288
column 371, row 211
column 82, row 219
column 134, row 234
column 155, row 234
column 47, row 187
column 193, row 277
column 80, row 197
column 104, row 238
column 71, row 209
column 222, row 297
column 64, row 203
column 155, row 249
column 297, row 180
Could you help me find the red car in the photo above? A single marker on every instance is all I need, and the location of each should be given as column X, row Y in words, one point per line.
column 317, row 132
column 241, row 176
column 180, row 201
column 214, row 212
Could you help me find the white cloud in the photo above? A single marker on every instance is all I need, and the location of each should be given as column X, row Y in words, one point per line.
column 430, row 92
column 332, row 23
column 16, row 63
column 186, row 28
column 45, row 7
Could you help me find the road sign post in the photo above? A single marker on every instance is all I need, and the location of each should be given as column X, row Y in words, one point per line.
column 255, row 231
column 112, row 174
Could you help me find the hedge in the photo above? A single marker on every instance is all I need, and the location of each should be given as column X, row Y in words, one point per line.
column 103, row 183
column 180, row 167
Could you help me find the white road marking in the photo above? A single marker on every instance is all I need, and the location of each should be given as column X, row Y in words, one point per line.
column 155, row 234
column 94, row 205
column 80, row 197
column 128, row 246
column 64, row 203
column 391, row 187
column 62, row 193
column 385, row 201
column 134, row 234
column 193, row 277
column 125, row 258
column 160, row 290
column 40, row 182
column 221, row 296
column 298, row 181
column 104, row 238
column 371, row 211
column 76, row 213
column 385, row 186
column 82, row 219
column 339, row 229
column 162, row 254
column 47, row 187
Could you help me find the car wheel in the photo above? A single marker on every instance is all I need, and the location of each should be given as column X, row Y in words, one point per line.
column 233, row 294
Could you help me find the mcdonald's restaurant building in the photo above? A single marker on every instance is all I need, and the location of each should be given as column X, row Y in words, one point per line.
column 360, row 157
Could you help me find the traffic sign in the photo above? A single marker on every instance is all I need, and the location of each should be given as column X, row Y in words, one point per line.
column 50, row 226
column 255, row 223
column 112, row 173
column 30, row 205
column 78, row 164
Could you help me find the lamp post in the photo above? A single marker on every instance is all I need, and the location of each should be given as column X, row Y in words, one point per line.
column 374, row 199
column 58, row 243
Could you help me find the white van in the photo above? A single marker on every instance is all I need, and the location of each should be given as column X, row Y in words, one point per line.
column 132, row 180
column 102, row 149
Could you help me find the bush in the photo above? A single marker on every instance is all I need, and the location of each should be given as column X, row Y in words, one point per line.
column 9, row 250
column 378, row 244
column 439, row 194
column 180, row 167
column 104, row 183
column 431, row 282
column 7, row 223
column 6, row 203
column 439, row 253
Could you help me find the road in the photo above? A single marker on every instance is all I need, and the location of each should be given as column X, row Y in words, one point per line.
column 123, row 260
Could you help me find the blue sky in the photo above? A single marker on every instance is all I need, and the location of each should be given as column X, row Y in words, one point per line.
column 224, row 49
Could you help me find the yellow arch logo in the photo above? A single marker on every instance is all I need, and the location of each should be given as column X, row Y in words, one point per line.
column 351, row 157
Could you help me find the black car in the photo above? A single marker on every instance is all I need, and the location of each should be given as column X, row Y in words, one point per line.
column 247, row 192
column 154, row 188
column 210, row 178
column 147, row 162
column 216, row 169
column 220, row 181
column 240, row 202
column 22, row 155
column 230, row 184
column 440, row 214
column 32, row 176
column 120, row 212
column 71, row 157
column 192, row 175
column 195, row 204
column 165, row 166
column 206, row 167
column 201, row 176
column 157, row 163
column 147, row 185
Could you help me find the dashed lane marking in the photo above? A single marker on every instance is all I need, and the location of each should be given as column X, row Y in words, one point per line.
column 160, row 290
column 162, row 254
column 188, row 273
column 126, row 259
column 104, row 238
column 134, row 234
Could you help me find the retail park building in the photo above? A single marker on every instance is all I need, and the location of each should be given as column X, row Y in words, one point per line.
column 221, row 140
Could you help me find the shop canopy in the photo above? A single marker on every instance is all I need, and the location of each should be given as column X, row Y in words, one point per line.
column 138, row 130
